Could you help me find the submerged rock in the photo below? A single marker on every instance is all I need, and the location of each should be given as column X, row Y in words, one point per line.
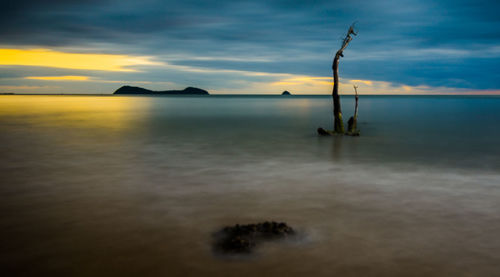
column 243, row 238
column 323, row 132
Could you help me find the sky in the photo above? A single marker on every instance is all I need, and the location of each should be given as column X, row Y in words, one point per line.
column 250, row 47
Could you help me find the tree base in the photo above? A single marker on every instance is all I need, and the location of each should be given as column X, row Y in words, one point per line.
column 353, row 133
column 323, row 132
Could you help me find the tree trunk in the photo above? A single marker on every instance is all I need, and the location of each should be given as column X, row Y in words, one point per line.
column 338, row 124
column 352, row 128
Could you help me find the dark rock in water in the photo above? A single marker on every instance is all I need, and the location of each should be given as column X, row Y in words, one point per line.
column 286, row 92
column 243, row 238
column 323, row 132
column 138, row 90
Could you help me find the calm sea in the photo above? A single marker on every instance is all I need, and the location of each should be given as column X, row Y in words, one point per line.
column 135, row 186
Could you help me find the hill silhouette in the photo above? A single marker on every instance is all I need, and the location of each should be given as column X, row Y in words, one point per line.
column 139, row 90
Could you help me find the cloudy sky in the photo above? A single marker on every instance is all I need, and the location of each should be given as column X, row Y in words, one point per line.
column 265, row 47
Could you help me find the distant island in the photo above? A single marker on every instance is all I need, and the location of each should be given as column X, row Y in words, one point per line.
column 138, row 90
column 286, row 92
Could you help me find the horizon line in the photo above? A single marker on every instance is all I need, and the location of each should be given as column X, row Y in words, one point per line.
column 249, row 94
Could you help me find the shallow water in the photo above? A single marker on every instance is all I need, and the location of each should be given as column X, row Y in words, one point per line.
column 135, row 186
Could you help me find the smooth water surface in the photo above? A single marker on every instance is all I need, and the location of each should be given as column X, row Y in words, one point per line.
column 135, row 186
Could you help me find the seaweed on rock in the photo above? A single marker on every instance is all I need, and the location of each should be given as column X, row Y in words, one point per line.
column 244, row 238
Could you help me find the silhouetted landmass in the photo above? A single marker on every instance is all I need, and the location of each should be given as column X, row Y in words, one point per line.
column 286, row 92
column 138, row 90
column 243, row 238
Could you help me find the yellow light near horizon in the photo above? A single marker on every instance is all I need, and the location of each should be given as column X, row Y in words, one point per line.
column 97, row 113
column 304, row 80
column 50, row 58
column 366, row 82
column 406, row 88
column 59, row 78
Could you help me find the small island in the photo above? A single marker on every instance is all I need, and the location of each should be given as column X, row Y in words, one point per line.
column 141, row 91
column 286, row 92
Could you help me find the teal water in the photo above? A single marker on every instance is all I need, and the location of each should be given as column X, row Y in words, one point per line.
column 127, row 186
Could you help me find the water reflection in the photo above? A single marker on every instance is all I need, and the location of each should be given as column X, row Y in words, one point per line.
column 95, row 112
column 136, row 185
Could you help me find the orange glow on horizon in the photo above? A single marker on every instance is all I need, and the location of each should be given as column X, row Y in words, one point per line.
column 59, row 78
column 366, row 82
column 50, row 58
column 304, row 80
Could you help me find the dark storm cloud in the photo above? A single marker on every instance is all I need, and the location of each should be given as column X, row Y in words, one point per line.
column 450, row 43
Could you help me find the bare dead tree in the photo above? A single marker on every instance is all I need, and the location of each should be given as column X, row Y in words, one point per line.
column 338, row 124
column 353, row 121
column 356, row 105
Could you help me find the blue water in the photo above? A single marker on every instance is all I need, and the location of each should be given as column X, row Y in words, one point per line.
column 117, row 185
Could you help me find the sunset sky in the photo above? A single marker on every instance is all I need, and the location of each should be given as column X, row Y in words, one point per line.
column 246, row 47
